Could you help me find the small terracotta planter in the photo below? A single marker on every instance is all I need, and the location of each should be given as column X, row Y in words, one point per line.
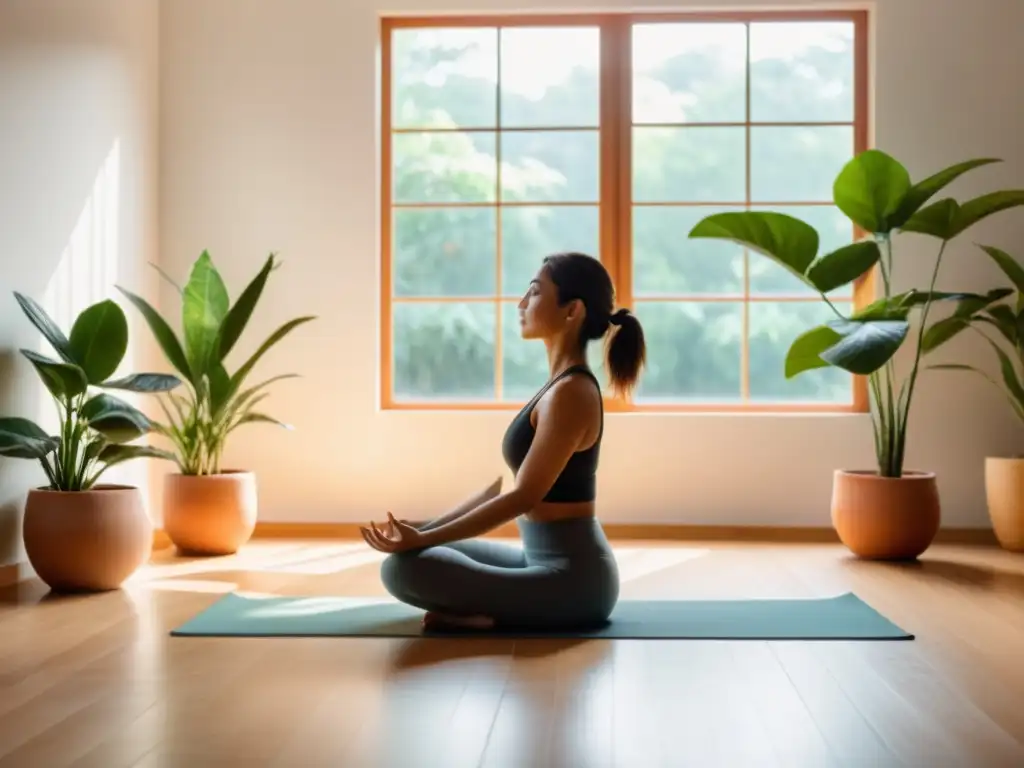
column 87, row 541
column 210, row 514
column 1004, row 492
column 885, row 518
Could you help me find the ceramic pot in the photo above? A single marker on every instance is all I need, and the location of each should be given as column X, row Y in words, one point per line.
column 87, row 541
column 1004, row 492
column 210, row 514
column 885, row 518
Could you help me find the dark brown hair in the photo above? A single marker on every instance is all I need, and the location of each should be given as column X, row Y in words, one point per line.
column 582, row 277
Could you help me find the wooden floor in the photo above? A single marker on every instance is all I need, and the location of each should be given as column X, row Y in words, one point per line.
column 97, row 680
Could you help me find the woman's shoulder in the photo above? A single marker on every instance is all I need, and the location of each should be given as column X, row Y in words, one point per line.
column 576, row 395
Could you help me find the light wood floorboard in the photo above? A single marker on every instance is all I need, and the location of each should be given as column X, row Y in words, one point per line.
column 97, row 681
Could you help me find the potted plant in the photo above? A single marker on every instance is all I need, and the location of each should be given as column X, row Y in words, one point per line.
column 81, row 535
column 1001, row 325
column 888, row 512
column 209, row 509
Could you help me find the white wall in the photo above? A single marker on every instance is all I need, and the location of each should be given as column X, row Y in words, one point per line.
column 269, row 142
column 78, row 208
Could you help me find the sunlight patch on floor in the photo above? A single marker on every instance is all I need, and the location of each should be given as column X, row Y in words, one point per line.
column 638, row 563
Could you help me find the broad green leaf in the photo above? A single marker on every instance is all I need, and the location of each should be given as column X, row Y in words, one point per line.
column 891, row 308
column 786, row 240
column 116, row 454
column 239, row 314
column 220, row 387
column 915, row 298
column 24, row 439
column 924, row 190
column 946, row 218
column 1003, row 318
column 870, row 188
column 92, row 450
column 50, row 330
column 145, row 382
column 865, row 346
column 843, row 266
column 938, row 220
column 116, row 420
column 63, row 380
column 1008, row 264
column 969, row 303
column 164, row 335
column 805, row 352
column 204, row 308
column 984, row 206
column 275, row 337
column 1010, row 378
column 120, row 428
column 99, row 340
column 942, row 331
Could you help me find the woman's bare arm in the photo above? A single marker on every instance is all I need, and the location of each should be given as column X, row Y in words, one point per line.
column 563, row 420
column 468, row 505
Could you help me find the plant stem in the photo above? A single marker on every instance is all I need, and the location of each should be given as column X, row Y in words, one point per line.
column 878, row 423
column 885, row 265
column 893, row 410
column 912, row 381
column 64, row 460
column 49, row 473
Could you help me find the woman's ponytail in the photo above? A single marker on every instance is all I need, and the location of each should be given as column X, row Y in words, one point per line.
column 626, row 351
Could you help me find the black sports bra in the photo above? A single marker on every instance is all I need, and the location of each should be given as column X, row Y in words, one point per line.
column 578, row 480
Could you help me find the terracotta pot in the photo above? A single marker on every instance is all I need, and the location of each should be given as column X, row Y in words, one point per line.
column 885, row 518
column 210, row 514
column 1004, row 491
column 87, row 541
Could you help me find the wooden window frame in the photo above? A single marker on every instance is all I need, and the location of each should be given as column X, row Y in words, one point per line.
column 615, row 204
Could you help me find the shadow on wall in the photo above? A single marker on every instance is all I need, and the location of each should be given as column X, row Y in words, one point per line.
column 84, row 273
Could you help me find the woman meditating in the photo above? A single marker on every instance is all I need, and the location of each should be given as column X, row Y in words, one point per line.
column 565, row 574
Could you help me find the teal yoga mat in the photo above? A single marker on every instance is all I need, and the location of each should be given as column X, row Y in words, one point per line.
column 845, row 617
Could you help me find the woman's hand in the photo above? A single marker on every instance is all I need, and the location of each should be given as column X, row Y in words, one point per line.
column 398, row 536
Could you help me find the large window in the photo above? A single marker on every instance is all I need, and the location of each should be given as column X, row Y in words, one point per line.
column 507, row 138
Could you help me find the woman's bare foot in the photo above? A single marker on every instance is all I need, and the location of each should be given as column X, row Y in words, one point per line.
column 436, row 620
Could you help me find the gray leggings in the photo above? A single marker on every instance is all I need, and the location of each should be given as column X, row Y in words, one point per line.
column 564, row 575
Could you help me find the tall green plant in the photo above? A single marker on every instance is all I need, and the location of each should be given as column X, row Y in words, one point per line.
column 1001, row 325
column 199, row 423
column 95, row 427
column 876, row 193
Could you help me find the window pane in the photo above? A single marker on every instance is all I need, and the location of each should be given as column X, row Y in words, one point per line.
column 550, row 166
column 801, row 72
column 693, row 351
column 687, row 165
column 798, row 164
column 689, row 73
column 667, row 262
column 550, row 77
column 444, row 351
column 773, row 328
column 449, row 167
column 834, row 231
column 444, row 251
column 529, row 233
column 444, row 78
column 524, row 361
